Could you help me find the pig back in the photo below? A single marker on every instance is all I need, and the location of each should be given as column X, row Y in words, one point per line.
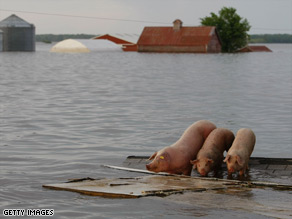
column 244, row 141
column 197, row 131
column 220, row 139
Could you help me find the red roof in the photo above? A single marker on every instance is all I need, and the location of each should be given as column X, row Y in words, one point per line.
column 185, row 36
column 260, row 49
column 255, row 49
column 127, row 46
column 113, row 39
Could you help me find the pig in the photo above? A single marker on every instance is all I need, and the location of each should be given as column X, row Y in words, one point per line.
column 210, row 156
column 175, row 159
column 238, row 155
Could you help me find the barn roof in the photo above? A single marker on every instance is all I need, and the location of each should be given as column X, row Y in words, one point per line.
column 120, row 39
column 255, row 49
column 260, row 49
column 14, row 21
column 168, row 36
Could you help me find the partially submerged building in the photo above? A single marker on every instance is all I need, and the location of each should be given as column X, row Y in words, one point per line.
column 17, row 34
column 179, row 39
column 255, row 49
column 126, row 45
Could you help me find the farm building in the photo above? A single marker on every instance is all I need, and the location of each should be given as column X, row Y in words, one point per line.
column 203, row 39
column 84, row 45
column 255, row 49
column 17, row 34
column 126, row 45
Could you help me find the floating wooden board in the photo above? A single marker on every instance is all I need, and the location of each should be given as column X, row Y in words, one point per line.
column 162, row 184
column 137, row 170
column 244, row 183
column 139, row 186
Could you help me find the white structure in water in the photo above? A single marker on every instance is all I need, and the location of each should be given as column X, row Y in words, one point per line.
column 85, row 45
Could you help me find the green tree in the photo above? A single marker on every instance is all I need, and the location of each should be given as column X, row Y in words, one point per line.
column 231, row 28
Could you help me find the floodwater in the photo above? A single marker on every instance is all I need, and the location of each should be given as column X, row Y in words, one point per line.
column 64, row 115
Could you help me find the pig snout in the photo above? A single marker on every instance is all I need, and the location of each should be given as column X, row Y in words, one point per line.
column 203, row 173
column 231, row 170
column 147, row 166
column 152, row 167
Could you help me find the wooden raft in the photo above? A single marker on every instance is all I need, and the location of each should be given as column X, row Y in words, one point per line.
column 135, row 187
column 163, row 184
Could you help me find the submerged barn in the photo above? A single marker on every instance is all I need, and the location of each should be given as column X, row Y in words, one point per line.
column 203, row 39
column 255, row 49
column 17, row 34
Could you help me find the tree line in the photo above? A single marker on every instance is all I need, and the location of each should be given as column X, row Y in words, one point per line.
column 271, row 38
column 49, row 38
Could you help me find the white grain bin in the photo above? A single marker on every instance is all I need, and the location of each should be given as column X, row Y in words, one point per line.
column 85, row 45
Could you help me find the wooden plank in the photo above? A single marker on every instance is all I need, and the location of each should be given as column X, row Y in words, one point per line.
column 244, row 183
column 163, row 173
column 155, row 184
column 137, row 170
column 136, row 187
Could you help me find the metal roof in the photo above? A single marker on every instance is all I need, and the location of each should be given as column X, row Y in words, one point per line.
column 260, row 49
column 255, row 49
column 113, row 39
column 14, row 21
column 126, row 37
column 185, row 36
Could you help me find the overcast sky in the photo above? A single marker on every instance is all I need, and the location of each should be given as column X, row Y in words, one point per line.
column 130, row 16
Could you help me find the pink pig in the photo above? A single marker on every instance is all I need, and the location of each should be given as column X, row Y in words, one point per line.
column 175, row 159
column 210, row 156
column 238, row 155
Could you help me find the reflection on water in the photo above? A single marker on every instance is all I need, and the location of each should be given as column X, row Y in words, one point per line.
column 62, row 115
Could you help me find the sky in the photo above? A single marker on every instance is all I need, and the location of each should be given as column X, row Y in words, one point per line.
column 131, row 16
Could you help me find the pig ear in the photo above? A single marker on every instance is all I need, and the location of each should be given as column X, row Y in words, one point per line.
column 210, row 161
column 227, row 158
column 152, row 156
column 194, row 162
column 239, row 160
